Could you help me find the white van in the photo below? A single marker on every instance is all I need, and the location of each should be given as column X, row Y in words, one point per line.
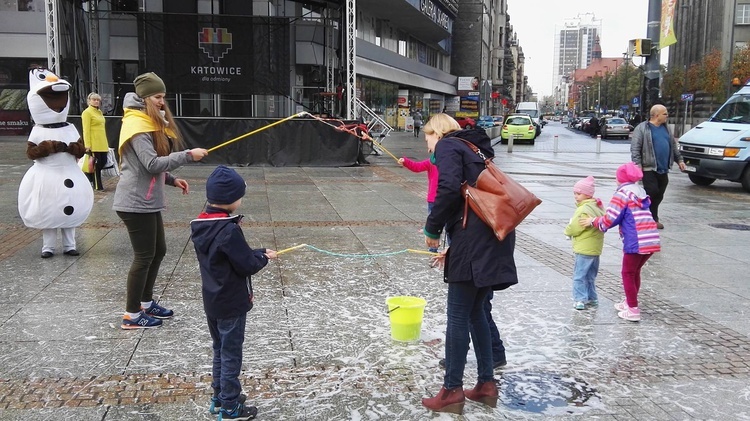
column 532, row 109
column 720, row 147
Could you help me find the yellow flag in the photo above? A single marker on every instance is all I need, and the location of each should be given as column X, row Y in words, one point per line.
column 666, row 32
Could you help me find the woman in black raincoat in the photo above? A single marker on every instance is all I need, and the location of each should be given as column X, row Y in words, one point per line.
column 476, row 263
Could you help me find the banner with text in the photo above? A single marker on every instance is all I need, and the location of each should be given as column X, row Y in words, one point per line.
column 218, row 54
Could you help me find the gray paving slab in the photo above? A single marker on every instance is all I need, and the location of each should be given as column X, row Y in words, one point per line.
column 318, row 341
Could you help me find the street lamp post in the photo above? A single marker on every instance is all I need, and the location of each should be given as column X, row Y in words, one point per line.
column 625, row 84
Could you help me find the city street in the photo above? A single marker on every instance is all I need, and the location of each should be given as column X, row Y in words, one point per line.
column 318, row 343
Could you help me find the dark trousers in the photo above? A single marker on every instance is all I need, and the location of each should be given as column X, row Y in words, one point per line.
column 146, row 231
column 228, row 335
column 498, row 349
column 99, row 164
column 655, row 185
column 466, row 313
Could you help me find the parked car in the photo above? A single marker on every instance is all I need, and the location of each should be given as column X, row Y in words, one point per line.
column 718, row 148
column 614, row 127
column 498, row 119
column 521, row 126
column 466, row 122
column 485, row 122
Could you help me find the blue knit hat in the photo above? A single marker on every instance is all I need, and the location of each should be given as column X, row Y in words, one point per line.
column 224, row 186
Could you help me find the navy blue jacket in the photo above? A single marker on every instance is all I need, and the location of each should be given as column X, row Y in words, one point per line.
column 226, row 263
column 475, row 254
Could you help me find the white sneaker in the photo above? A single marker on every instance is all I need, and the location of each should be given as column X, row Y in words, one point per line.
column 579, row 305
column 632, row 314
column 621, row 306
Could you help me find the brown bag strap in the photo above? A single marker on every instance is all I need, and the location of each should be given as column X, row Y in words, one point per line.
column 476, row 150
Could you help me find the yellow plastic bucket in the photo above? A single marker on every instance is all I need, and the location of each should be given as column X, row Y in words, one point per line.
column 406, row 317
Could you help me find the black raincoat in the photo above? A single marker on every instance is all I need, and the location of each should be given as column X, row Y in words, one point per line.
column 475, row 254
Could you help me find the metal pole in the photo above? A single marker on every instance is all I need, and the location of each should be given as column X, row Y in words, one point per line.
column 731, row 50
column 554, row 148
column 598, row 144
column 652, row 71
column 510, row 143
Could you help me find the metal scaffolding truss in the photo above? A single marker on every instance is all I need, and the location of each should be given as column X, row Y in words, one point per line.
column 330, row 50
column 93, row 20
column 53, row 45
column 350, row 90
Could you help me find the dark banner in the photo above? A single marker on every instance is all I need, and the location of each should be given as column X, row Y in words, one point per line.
column 297, row 142
column 218, row 54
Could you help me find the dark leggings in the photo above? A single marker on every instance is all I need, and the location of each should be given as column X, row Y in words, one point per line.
column 146, row 231
column 96, row 177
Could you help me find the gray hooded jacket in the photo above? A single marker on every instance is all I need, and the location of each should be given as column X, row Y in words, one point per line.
column 143, row 173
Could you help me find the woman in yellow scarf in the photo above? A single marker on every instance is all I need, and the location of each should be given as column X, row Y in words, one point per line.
column 149, row 148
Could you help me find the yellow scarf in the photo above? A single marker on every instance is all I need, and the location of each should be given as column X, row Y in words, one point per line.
column 134, row 122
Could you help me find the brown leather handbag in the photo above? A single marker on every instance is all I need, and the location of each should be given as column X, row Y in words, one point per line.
column 498, row 200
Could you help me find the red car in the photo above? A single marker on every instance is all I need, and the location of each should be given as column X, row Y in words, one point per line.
column 466, row 122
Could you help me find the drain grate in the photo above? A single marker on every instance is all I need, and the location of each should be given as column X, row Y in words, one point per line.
column 736, row 227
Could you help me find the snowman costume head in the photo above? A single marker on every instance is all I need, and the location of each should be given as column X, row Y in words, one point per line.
column 48, row 97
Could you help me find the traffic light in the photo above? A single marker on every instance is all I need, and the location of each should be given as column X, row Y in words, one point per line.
column 641, row 47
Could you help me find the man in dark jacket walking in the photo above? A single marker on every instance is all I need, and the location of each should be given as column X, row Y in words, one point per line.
column 654, row 149
column 226, row 264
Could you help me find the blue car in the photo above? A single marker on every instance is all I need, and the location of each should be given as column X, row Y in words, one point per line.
column 485, row 122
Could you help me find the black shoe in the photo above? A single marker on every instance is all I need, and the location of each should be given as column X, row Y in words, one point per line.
column 240, row 412
column 47, row 254
column 495, row 366
column 73, row 252
column 659, row 225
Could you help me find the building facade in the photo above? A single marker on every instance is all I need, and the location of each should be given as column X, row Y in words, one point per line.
column 573, row 49
column 262, row 58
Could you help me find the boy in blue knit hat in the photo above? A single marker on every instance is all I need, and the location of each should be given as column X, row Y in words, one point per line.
column 226, row 264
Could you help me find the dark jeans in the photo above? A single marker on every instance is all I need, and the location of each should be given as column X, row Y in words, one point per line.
column 416, row 130
column 498, row 349
column 228, row 335
column 146, row 231
column 655, row 185
column 466, row 305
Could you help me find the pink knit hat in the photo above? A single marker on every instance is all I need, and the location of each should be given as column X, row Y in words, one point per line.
column 585, row 186
column 629, row 173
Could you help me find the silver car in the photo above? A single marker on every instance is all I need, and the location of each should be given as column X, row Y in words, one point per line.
column 614, row 127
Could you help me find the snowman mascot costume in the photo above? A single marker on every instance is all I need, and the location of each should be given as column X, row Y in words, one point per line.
column 54, row 193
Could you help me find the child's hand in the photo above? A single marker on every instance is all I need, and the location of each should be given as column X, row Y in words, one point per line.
column 401, row 161
column 271, row 254
column 439, row 260
column 585, row 222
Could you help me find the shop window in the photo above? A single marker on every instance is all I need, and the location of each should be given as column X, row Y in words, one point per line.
column 124, row 5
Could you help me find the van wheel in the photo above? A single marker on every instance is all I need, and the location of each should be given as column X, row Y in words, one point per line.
column 746, row 179
column 705, row 181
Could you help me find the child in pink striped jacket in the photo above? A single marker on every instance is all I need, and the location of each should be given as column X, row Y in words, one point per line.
column 629, row 209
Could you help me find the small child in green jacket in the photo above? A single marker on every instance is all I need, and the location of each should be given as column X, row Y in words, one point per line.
column 587, row 244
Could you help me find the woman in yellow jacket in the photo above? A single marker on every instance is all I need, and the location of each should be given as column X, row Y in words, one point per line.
column 95, row 138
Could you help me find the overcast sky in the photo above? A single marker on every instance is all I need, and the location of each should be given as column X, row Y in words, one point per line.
column 534, row 22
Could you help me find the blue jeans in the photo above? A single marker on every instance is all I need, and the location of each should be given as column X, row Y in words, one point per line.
column 584, row 275
column 498, row 349
column 466, row 313
column 228, row 336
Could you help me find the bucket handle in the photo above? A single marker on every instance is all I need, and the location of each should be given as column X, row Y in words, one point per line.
column 394, row 308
